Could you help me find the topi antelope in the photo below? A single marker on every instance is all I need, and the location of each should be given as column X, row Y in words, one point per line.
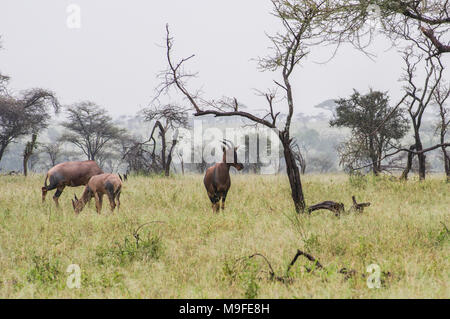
column 69, row 174
column 217, row 178
column 99, row 185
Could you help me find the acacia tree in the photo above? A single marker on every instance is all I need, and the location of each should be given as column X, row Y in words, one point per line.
column 289, row 49
column 364, row 115
column 346, row 20
column 90, row 129
column 25, row 114
column 53, row 150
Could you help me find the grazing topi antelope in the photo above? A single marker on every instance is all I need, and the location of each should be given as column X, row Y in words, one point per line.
column 99, row 185
column 217, row 178
column 69, row 174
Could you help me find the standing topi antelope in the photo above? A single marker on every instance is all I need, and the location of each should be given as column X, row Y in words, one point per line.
column 217, row 178
column 99, row 185
column 69, row 174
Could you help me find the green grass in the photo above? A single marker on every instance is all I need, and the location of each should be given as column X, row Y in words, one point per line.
column 192, row 253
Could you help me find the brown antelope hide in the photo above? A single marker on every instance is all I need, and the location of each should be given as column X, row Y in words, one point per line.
column 217, row 178
column 99, row 185
column 69, row 174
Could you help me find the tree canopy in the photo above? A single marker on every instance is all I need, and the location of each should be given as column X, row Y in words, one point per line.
column 375, row 127
column 90, row 129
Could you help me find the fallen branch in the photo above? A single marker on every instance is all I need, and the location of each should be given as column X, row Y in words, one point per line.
column 348, row 273
column 359, row 207
column 308, row 256
column 338, row 208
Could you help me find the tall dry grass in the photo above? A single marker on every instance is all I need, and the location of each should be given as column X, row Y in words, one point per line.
column 188, row 252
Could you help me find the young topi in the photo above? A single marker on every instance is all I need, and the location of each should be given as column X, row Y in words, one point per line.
column 99, row 185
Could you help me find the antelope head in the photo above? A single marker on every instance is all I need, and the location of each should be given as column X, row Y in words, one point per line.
column 77, row 204
column 230, row 154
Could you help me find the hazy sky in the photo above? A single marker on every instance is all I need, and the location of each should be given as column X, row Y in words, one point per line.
column 114, row 57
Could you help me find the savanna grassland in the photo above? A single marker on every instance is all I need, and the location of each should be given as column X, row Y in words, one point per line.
column 188, row 252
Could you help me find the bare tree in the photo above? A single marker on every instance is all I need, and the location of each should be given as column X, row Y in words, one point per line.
column 420, row 96
column 167, row 117
column 90, row 129
column 440, row 98
column 289, row 48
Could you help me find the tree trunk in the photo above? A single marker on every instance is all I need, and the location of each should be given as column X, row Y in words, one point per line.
column 294, row 178
column 375, row 168
column 408, row 163
column 444, row 150
column 446, row 163
column 29, row 148
column 421, row 157
column 373, row 157
column 169, row 159
column 2, row 150
column 162, row 134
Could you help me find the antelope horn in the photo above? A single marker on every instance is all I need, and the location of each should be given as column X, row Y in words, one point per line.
column 225, row 144
column 76, row 198
column 228, row 141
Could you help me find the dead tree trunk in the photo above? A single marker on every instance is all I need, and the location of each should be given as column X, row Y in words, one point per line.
column 169, row 159
column 446, row 164
column 294, row 177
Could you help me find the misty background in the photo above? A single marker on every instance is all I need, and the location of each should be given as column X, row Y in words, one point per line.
column 114, row 57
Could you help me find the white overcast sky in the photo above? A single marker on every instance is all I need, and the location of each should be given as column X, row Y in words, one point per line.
column 114, row 57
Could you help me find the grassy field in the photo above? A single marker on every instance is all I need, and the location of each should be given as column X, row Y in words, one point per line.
column 187, row 252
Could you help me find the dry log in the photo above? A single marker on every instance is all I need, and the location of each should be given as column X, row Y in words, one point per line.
column 359, row 207
column 338, row 208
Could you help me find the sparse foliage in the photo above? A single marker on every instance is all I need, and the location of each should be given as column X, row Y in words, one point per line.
column 90, row 129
